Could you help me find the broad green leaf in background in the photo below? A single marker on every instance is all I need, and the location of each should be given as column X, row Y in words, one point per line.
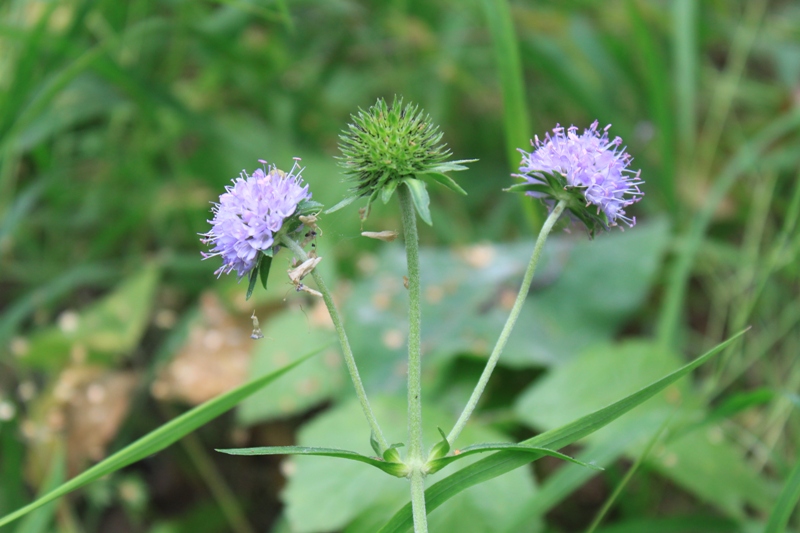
column 503, row 462
column 322, row 495
column 466, row 293
column 104, row 331
column 703, row 461
column 158, row 439
column 287, row 333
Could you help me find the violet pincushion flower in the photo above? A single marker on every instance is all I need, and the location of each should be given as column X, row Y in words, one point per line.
column 251, row 214
column 584, row 170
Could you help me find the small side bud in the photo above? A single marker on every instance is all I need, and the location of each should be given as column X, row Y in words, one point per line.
column 391, row 455
column 441, row 448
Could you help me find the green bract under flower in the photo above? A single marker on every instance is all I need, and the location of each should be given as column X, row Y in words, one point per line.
column 386, row 145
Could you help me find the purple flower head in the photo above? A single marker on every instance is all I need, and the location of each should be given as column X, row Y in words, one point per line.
column 589, row 164
column 250, row 214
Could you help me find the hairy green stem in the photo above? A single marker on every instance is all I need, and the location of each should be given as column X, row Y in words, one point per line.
column 414, row 459
column 418, row 500
column 346, row 350
column 509, row 326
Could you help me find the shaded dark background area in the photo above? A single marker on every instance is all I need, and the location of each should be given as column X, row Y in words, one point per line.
column 121, row 121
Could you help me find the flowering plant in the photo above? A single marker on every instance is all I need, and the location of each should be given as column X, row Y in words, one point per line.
column 388, row 150
column 583, row 171
column 252, row 216
column 397, row 149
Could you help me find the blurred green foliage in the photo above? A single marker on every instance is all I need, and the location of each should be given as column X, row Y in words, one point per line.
column 121, row 121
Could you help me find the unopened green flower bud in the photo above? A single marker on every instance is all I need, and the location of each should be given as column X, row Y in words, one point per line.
column 385, row 146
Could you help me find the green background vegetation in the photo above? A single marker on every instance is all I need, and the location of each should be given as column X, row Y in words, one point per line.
column 121, row 121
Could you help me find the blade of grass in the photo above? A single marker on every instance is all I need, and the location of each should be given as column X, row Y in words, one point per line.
column 627, row 477
column 565, row 481
column 503, row 462
column 749, row 155
column 159, row 439
column 549, row 57
column 282, row 13
column 43, row 295
column 655, row 73
column 726, row 90
column 217, row 485
column 41, row 520
column 684, row 45
column 516, row 124
column 12, row 450
column 790, row 495
column 390, row 467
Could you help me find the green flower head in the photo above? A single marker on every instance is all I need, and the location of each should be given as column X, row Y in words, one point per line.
column 386, row 146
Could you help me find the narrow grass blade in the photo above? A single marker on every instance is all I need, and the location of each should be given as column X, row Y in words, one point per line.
column 388, row 467
column 21, row 308
column 344, row 203
column 41, row 520
column 159, row 439
column 438, row 464
column 509, row 67
column 503, row 462
column 658, row 96
column 684, row 44
column 747, row 157
column 628, row 475
column 790, row 495
column 516, row 125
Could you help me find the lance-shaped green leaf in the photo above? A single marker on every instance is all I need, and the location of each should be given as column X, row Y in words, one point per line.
column 437, row 464
column 391, row 468
column 505, row 461
column 158, row 439
column 263, row 269
column 450, row 166
column 344, row 203
column 388, row 190
column 419, row 194
column 442, row 179
column 253, row 278
column 528, row 187
column 308, row 207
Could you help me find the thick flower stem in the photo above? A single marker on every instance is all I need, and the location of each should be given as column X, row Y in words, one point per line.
column 509, row 326
column 345, row 344
column 414, row 459
column 418, row 501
